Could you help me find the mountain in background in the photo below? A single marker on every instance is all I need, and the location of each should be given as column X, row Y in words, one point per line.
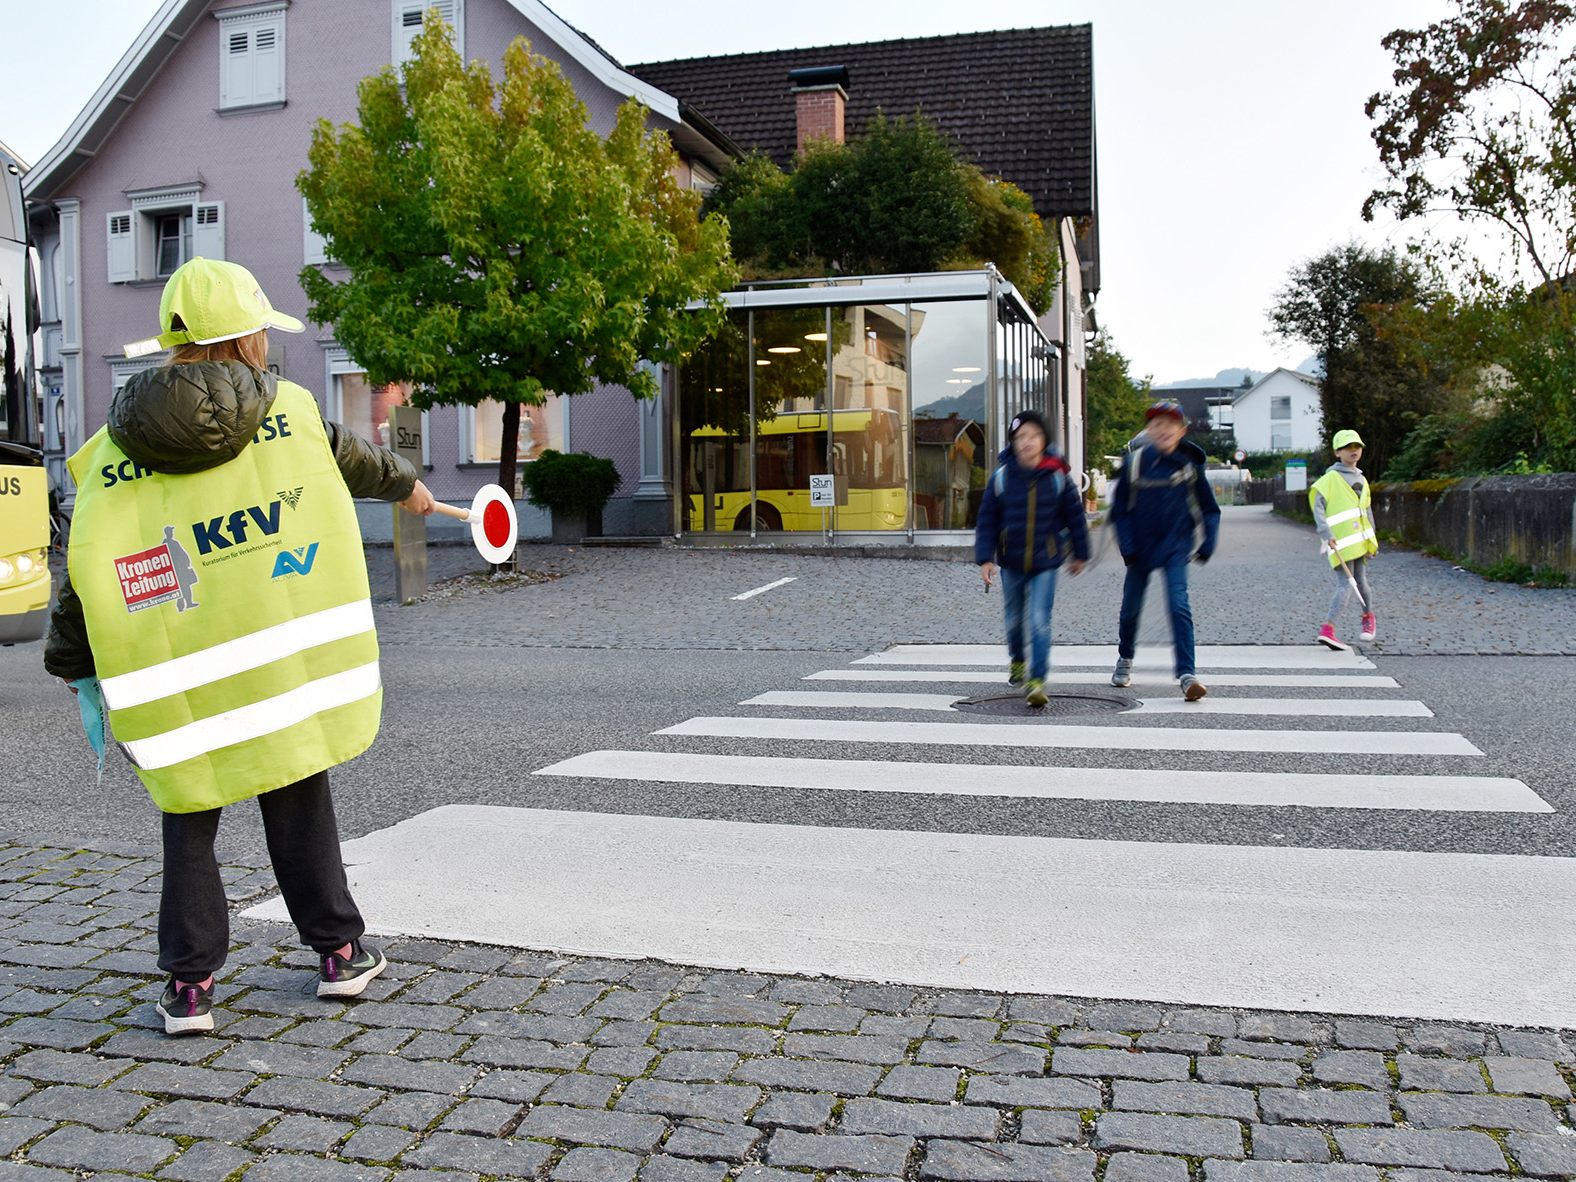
column 968, row 405
column 1233, row 377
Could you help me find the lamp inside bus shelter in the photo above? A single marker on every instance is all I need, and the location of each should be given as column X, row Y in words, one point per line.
column 899, row 386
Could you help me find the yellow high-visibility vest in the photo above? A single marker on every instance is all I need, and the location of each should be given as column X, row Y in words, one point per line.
column 1346, row 513
column 228, row 612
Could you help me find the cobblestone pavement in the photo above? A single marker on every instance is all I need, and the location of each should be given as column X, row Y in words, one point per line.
column 469, row 1062
column 1266, row 585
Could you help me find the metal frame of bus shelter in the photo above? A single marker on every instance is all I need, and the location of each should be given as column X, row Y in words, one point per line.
column 988, row 286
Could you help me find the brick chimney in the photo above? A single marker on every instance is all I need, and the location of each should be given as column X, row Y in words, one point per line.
column 820, row 98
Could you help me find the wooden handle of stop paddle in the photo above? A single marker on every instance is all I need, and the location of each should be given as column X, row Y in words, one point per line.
column 451, row 511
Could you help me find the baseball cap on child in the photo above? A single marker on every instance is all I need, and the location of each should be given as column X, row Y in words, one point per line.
column 1346, row 439
column 1027, row 418
column 1166, row 406
column 214, row 301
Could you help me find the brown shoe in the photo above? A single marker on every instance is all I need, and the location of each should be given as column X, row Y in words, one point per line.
column 1193, row 689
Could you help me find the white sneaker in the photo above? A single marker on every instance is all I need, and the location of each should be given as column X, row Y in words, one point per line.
column 1122, row 675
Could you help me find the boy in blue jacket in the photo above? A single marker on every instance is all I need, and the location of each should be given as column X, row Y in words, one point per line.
column 1030, row 503
column 1160, row 503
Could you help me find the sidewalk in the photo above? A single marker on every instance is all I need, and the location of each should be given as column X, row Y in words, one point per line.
column 492, row 1062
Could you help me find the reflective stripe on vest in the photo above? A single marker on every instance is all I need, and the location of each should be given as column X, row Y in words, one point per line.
column 228, row 612
column 1348, row 523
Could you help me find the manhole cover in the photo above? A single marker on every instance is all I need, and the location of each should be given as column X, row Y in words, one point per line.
column 1059, row 705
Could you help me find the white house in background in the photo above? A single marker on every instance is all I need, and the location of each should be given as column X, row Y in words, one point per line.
column 1281, row 411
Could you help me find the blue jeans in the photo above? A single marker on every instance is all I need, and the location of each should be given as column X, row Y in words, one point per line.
column 1177, row 607
column 1030, row 596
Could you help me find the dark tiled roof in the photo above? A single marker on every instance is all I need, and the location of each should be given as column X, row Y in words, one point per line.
column 1018, row 103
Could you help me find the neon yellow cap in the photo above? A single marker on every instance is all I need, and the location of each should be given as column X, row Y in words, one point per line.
column 1346, row 439
column 216, row 301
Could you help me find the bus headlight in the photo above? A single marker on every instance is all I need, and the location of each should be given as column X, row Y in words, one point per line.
column 16, row 569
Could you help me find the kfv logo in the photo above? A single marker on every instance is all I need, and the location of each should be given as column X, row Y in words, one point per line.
column 295, row 562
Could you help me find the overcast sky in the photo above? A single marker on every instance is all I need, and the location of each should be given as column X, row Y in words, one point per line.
column 1231, row 136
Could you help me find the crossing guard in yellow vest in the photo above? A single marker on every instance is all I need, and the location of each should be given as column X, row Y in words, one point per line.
column 217, row 601
column 1343, row 515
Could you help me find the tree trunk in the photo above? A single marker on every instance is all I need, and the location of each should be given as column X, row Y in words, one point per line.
column 509, row 447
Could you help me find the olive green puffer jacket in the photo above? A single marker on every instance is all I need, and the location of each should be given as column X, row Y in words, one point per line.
column 179, row 419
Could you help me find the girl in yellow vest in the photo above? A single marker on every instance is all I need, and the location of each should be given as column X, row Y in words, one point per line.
column 217, row 601
column 1343, row 515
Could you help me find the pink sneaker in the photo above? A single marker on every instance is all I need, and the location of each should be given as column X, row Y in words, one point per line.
column 1328, row 639
column 1370, row 627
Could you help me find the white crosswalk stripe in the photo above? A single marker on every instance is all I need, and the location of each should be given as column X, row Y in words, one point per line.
column 1110, row 738
column 1278, row 789
column 1209, row 656
column 1302, row 707
column 1264, row 925
column 1141, row 677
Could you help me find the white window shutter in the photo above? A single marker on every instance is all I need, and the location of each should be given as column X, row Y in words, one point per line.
column 122, row 247
column 409, row 16
column 235, row 85
column 268, row 63
column 407, row 23
column 208, row 230
column 313, row 249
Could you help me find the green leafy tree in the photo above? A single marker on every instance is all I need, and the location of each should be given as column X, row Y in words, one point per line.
column 896, row 199
column 497, row 246
column 1481, row 123
column 1114, row 403
column 1333, row 303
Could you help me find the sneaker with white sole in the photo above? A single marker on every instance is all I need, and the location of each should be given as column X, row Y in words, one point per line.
column 340, row 977
column 1034, row 693
column 1122, row 675
column 1370, row 626
column 1328, row 638
column 186, row 1008
column 1192, row 688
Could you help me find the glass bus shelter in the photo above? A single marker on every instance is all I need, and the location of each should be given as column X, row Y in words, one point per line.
column 898, row 387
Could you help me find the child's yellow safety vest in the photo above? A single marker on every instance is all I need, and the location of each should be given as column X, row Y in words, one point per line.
column 1346, row 513
column 228, row 612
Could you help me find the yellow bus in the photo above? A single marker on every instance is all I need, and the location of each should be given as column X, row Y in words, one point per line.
column 24, row 545
column 869, row 457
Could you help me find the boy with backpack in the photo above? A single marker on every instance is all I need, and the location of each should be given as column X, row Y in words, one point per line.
column 1160, row 503
column 1030, row 511
column 1344, row 517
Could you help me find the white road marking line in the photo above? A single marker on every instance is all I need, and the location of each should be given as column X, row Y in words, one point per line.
column 1310, row 680
column 1343, row 931
column 1355, row 709
column 854, row 701
column 768, row 587
column 1351, row 708
column 1111, row 738
column 1485, row 794
column 1208, row 656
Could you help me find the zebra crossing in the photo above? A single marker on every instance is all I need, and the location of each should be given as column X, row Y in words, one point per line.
column 1360, row 931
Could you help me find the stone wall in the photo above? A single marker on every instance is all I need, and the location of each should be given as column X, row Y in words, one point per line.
column 1531, row 519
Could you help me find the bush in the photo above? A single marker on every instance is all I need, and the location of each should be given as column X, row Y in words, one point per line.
column 576, row 484
column 1273, row 463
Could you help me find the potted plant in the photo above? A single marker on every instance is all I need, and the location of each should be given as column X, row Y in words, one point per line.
column 574, row 487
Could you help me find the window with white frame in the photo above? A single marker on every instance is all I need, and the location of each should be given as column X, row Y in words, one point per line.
column 252, row 55
column 409, row 16
column 163, row 229
column 1280, row 407
column 358, row 405
column 313, row 247
column 541, row 427
column 120, row 371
